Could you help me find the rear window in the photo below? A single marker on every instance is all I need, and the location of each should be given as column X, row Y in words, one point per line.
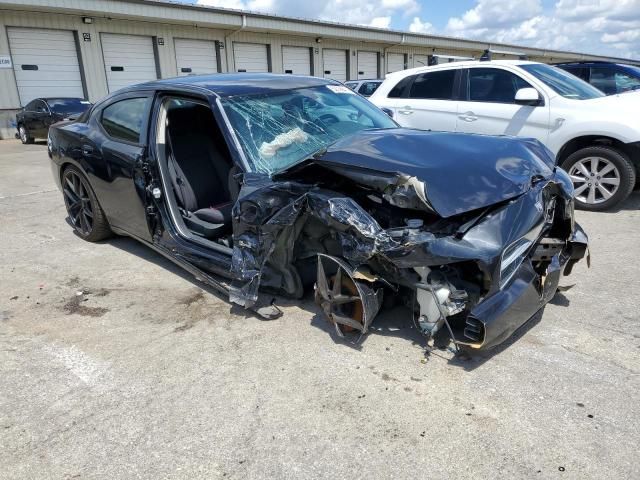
column 400, row 88
column 367, row 88
column 123, row 120
column 613, row 80
column 433, row 85
column 580, row 72
column 68, row 105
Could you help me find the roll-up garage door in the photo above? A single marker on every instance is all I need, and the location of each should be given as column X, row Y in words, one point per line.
column 251, row 57
column 334, row 64
column 395, row 62
column 296, row 60
column 45, row 63
column 367, row 65
column 195, row 57
column 128, row 59
column 421, row 60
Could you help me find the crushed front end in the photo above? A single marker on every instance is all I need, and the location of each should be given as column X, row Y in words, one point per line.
column 491, row 278
column 368, row 238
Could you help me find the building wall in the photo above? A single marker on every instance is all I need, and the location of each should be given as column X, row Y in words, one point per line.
column 93, row 64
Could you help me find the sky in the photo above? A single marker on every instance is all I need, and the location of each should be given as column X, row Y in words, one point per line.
column 606, row 27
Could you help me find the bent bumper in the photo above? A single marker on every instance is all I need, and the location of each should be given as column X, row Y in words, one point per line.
column 501, row 314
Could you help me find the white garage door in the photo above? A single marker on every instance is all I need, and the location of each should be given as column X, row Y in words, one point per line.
column 421, row 60
column 367, row 65
column 334, row 64
column 45, row 63
column 195, row 57
column 296, row 60
column 395, row 62
column 250, row 57
column 128, row 59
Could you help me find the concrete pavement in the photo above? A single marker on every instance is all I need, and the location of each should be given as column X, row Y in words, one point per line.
column 116, row 364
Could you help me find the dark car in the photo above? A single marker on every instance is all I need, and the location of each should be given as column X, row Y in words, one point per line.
column 364, row 87
column 239, row 180
column 609, row 78
column 34, row 120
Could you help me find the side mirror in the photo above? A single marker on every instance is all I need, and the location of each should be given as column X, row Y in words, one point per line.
column 388, row 111
column 528, row 96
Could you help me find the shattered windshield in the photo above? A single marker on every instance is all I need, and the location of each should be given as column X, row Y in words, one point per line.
column 278, row 130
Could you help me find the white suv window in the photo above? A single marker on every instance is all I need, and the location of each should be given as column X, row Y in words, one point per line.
column 436, row 85
column 494, row 85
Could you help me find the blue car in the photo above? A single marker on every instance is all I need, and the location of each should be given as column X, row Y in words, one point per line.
column 609, row 78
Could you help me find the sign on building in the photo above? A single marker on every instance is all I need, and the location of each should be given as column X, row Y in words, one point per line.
column 5, row 61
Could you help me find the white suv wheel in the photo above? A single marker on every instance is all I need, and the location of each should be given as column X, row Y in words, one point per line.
column 595, row 180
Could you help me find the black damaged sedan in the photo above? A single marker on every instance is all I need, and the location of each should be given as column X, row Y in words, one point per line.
column 262, row 184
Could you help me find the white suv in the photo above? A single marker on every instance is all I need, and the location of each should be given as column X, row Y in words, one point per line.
column 594, row 137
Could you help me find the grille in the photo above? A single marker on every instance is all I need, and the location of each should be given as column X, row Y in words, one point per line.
column 474, row 329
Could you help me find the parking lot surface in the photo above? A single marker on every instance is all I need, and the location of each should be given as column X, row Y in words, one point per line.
column 116, row 364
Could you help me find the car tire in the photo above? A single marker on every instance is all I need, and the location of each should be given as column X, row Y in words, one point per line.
column 23, row 133
column 596, row 192
column 85, row 213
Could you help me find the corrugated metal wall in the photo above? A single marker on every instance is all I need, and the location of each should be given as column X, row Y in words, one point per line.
column 92, row 59
column 91, row 51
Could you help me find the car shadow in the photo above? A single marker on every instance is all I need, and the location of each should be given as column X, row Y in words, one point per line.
column 142, row 251
column 392, row 322
column 632, row 202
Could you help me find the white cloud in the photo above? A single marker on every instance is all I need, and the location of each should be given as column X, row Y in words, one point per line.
column 407, row 6
column 380, row 22
column 418, row 26
column 377, row 13
column 609, row 27
column 626, row 36
column 495, row 13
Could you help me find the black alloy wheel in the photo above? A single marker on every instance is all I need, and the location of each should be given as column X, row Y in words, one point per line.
column 85, row 213
column 24, row 135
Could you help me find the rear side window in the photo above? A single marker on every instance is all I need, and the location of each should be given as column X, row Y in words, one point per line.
column 123, row 120
column 603, row 78
column 580, row 72
column 494, row 85
column 351, row 85
column 401, row 87
column 367, row 88
column 611, row 80
column 41, row 107
column 434, row 85
column 31, row 106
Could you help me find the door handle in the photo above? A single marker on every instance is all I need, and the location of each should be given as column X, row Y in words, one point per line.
column 87, row 149
column 468, row 117
column 405, row 110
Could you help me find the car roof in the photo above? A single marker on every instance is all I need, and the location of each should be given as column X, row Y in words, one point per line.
column 467, row 63
column 587, row 62
column 230, row 84
column 46, row 99
column 596, row 63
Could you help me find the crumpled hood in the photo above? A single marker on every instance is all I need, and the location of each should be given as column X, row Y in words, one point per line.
column 461, row 172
